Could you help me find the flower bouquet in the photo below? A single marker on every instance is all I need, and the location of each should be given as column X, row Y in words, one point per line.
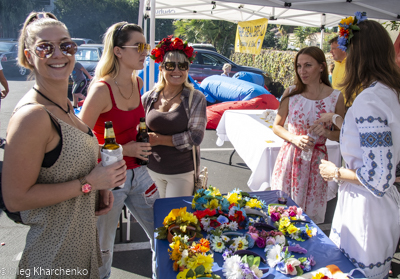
column 179, row 222
column 300, row 234
column 238, row 267
column 210, row 198
column 280, row 257
column 233, row 220
column 190, row 255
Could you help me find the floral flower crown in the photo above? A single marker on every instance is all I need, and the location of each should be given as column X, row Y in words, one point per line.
column 346, row 28
column 167, row 44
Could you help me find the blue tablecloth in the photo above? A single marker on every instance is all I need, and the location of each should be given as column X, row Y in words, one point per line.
column 320, row 246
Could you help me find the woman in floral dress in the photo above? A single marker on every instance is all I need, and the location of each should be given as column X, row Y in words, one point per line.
column 302, row 104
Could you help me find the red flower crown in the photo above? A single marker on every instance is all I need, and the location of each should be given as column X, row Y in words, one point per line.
column 167, row 44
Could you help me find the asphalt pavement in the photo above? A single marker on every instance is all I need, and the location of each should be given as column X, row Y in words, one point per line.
column 132, row 259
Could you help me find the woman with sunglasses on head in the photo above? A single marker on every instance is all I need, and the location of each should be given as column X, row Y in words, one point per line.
column 176, row 118
column 50, row 170
column 114, row 95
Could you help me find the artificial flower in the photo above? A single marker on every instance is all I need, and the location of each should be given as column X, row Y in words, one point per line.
column 231, row 268
column 218, row 244
column 274, row 255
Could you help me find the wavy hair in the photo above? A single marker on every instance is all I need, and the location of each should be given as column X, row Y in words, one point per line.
column 117, row 34
column 33, row 24
column 370, row 57
column 319, row 56
column 176, row 56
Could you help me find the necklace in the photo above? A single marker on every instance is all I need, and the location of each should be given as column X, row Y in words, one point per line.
column 166, row 100
column 41, row 94
column 119, row 89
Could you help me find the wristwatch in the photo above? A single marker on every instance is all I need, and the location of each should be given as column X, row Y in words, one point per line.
column 86, row 187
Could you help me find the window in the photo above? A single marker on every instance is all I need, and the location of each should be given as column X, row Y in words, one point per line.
column 213, row 60
column 87, row 55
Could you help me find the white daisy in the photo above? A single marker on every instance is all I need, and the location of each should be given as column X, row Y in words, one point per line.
column 280, row 239
column 218, row 245
column 225, row 238
column 240, row 243
column 233, row 226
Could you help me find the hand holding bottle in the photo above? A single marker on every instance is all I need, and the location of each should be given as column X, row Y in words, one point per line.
column 102, row 178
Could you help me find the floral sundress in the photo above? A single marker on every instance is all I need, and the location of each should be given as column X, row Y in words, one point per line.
column 299, row 178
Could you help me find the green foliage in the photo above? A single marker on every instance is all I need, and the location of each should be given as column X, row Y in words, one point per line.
column 269, row 40
column 13, row 15
column 303, row 33
column 326, row 47
column 393, row 25
column 278, row 65
column 91, row 18
column 217, row 32
column 164, row 28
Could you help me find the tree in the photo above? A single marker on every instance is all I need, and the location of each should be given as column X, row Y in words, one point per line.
column 217, row 32
column 270, row 41
column 13, row 15
column 303, row 33
column 91, row 18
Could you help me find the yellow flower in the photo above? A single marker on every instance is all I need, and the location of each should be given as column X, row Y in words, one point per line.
column 174, row 213
column 233, row 198
column 319, row 275
column 292, row 229
column 347, row 20
column 285, row 221
column 189, row 217
column 215, row 192
column 213, row 204
column 200, row 259
column 254, row 203
column 182, row 275
column 175, row 252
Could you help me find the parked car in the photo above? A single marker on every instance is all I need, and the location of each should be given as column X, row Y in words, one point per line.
column 204, row 46
column 9, row 57
column 80, row 41
column 208, row 63
column 88, row 56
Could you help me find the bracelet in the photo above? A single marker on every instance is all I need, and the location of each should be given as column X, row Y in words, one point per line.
column 336, row 178
column 334, row 117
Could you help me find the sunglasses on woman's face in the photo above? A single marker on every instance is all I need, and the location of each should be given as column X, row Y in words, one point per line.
column 141, row 47
column 47, row 49
column 170, row 66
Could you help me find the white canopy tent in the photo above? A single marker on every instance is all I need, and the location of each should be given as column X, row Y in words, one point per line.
column 314, row 13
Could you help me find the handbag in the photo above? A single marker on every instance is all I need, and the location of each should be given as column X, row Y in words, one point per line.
column 200, row 181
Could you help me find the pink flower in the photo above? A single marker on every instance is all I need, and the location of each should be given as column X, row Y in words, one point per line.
column 275, row 217
column 254, row 235
column 270, row 241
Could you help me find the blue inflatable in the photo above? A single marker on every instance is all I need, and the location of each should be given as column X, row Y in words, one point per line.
column 220, row 88
column 147, row 67
column 250, row 77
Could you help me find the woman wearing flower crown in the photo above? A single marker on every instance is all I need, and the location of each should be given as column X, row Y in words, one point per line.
column 177, row 121
column 50, row 170
column 366, row 222
column 114, row 95
column 302, row 104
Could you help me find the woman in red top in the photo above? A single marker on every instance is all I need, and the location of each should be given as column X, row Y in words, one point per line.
column 114, row 95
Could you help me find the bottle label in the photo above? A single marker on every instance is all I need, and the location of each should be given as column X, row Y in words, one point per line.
column 109, row 133
column 142, row 125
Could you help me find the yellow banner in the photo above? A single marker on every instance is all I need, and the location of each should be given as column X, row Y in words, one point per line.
column 250, row 36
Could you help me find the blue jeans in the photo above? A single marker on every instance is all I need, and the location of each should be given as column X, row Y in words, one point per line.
column 139, row 196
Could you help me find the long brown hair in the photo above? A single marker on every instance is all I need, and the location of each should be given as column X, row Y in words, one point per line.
column 319, row 56
column 370, row 57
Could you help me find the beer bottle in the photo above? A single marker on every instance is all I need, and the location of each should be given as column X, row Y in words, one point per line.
column 109, row 137
column 142, row 136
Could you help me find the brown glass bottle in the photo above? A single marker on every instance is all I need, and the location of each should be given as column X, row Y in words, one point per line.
column 109, row 137
column 142, row 136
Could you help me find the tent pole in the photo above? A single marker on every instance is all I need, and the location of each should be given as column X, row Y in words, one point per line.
column 323, row 22
column 140, row 17
column 145, row 71
column 152, row 39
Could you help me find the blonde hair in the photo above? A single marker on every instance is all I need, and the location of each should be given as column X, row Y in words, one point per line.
column 226, row 66
column 34, row 23
column 177, row 56
column 117, row 35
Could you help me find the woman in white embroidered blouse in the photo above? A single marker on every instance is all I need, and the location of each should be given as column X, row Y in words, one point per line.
column 366, row 222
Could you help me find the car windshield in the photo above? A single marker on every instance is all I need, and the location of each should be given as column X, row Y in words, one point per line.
column 213, row 60
column 87, row 54
column 6, row 47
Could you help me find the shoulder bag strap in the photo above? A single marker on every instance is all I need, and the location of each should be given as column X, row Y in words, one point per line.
column 193, row 147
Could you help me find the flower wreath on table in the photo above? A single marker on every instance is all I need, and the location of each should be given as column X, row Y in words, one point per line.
column 167, row 44
column 238, row 267
column 221, row 241
column 284, row 219
column 210, row 198
column 280, row 256
column 179, row 217
column 244, row 200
